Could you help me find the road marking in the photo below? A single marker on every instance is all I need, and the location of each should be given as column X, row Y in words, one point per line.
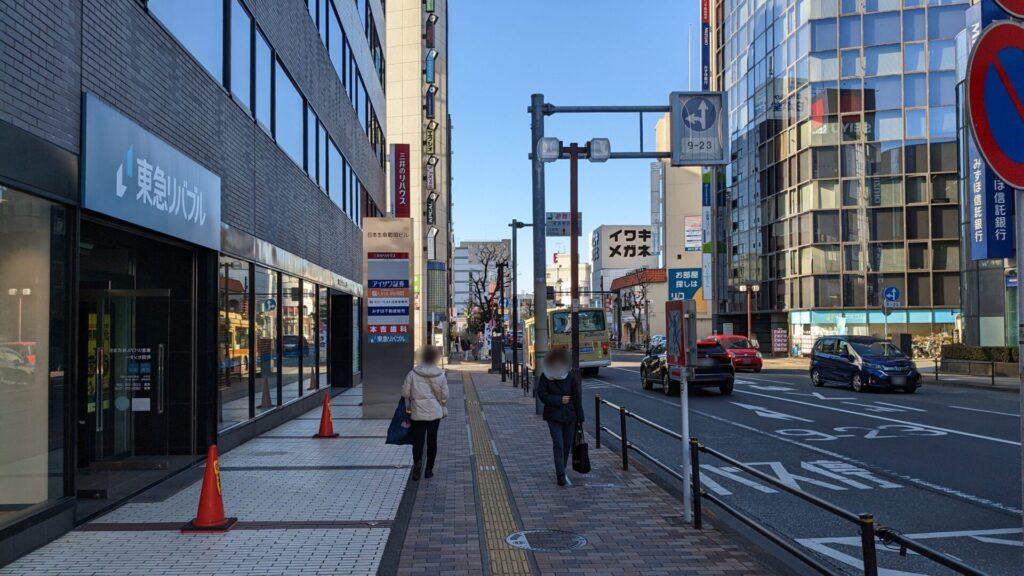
column 938, row 488
column 733, row 473
column 885, row 418
column 766, row 413
column 986, row 411
column 883, row 407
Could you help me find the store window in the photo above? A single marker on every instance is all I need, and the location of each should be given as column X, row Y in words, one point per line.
column 267, row 362
column 293, row 344
column 323, row 321
column 33, row 324
column 199, row 26
column 241, row 53
column 310, row 337
column 234, row 333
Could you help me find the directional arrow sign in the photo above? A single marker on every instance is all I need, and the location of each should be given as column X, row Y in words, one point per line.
column 699, row 135
column 766, row 413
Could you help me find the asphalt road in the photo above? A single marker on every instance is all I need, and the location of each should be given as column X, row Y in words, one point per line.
column 941, row 465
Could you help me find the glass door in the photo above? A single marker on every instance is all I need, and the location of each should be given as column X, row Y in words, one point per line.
column 123, row 393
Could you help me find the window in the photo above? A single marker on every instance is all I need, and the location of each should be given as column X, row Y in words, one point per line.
column 335, row 174
column 942, row 55
column 264, row 68
column 883, row 60
column 823, row 35
column 288, row 115
column 942, row 89
column 914, row 58
column 882, row 28
column 311, row 140
column 267, row 361
column 33, row 326
column 310, row 336
column 883, row 91
column 336, row 43
column 241, row 54
column 913, row 25
column 321, row 152
column 849, row 31
column 915, row 90
column 293, row 343
column 199, row 26
column 323, row 321
column 945, row 21
column 942, row 122
column 233, row 341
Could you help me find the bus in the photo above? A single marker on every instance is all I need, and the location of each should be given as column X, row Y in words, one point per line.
column 595, row 338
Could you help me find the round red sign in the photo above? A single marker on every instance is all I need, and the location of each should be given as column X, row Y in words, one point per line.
column 1014, row 7
column 995, row 99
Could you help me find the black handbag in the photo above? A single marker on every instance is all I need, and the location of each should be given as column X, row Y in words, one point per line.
column 580, row 452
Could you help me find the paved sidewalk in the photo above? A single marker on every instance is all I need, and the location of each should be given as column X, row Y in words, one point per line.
column 628, row 522
column 305, row 506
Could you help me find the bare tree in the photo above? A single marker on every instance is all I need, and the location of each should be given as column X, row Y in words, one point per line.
column 483, row 284
column 639, row 292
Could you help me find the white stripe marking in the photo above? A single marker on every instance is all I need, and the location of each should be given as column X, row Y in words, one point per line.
column 986, row 411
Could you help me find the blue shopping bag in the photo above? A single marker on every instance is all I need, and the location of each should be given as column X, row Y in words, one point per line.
column 400, row 430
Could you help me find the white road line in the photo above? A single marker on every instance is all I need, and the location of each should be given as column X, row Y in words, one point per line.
column 986, row 411
column 883, row 418
column 899, row 406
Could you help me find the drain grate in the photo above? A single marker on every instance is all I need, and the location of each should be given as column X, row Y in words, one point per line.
column 546, row 540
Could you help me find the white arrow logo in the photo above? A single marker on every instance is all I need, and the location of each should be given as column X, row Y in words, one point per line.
column 121, row 188
column 766, row 413
column 703, row 118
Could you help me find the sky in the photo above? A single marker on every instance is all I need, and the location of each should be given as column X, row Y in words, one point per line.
column 623, row 53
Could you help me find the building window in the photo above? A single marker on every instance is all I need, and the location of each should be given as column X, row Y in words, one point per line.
column 267, row 360
column 293, row 345
column 33, row 333
column 323, row 321
column 199, row 26
column 234, row 335
column 335, row 174
column 310, row 336
column 311, row 133
column 288, row 114
column 336, row 43
column 241, row 54
column 264, row 70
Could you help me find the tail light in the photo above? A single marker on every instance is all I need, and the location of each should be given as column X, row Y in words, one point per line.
column 604, row 348
column 720, row 356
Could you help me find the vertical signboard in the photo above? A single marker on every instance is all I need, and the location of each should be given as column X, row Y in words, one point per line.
column 693, row 234
column 705, row 214
column 387, row 338
column 400, row 180
column 705, row 45
column 989, row 210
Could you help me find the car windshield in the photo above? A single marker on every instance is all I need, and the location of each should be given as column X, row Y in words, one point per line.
column 876, row 349
column 705, row 349
column 737, row 343
column 590, row 321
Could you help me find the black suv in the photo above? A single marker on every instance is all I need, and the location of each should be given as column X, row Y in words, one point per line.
column 862, row 362
column 714, row 369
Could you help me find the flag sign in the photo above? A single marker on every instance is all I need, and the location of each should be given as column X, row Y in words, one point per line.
column 995, row 98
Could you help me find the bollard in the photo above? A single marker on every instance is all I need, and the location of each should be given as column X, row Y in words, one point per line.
column 695, row 481
column 992, row 372
column 867, row 544
column 597, row 421
column 936, row 368
column 504, row 368
column 625, row 442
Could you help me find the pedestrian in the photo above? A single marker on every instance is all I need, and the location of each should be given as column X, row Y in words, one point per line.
column 426, row 397
column 562, row 406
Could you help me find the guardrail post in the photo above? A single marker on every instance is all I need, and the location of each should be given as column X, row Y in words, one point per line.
column 936, row 368
column 992, row 371
column 625, row 442
column 867, row 544
column 597, row 420
column 695, row 481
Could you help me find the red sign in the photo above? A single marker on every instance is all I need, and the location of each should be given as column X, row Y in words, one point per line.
column 388, row 329
column 400, row 167
column 995, row 99
column 1014, row 7
column 387, row 255
column 675, row 341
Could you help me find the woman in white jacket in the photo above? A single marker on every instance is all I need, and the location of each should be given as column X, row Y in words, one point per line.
column 426, row 393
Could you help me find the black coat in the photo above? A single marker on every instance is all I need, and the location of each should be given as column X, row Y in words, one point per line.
column 550, row 393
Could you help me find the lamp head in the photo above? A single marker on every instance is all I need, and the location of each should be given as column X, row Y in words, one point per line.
column 599, row 150
column 549, row 149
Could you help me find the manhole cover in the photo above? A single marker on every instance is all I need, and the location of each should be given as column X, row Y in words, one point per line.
column 546, row 540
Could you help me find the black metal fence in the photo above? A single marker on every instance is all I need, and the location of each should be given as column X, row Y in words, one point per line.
column 865, row 523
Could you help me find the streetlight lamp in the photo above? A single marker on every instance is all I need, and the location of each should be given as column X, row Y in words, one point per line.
column 516, row 226
column 749, row 289
column 20, row 293
column 597, row 150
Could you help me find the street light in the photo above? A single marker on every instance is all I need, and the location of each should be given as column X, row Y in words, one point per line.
column 597, row 150
column 516, row 225
column 20, row 293
column 748, row 289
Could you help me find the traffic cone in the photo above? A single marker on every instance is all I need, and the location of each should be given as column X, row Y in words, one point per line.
column 266, row 402
column 326, row 424
column 210, row 517
column 312, row 383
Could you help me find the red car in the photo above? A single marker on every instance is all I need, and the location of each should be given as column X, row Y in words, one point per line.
column 743, row 352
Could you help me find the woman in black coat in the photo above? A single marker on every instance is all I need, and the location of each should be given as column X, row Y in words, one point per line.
column 562, row 406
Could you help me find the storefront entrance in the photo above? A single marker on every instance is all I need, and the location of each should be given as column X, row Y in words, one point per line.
column 135, row 390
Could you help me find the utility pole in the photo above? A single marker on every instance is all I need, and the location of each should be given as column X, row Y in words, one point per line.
column 574, row 151
column 516, row 225
column 501, row 317
column 540, row 304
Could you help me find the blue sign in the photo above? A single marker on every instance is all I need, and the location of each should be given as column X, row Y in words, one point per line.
column 431, row 56
column 699, row 114
column 388, row 283
column 389, row 338
column 387, row 311
column 430, row 101
column 989, row 210
column 133, row 175
column 683, row 283
column 892, row 294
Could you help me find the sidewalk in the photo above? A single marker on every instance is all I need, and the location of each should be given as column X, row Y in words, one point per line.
column 622, row 522
column 304, row 506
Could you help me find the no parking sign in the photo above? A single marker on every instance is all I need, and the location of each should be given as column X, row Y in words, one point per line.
column 1014, row 7
column 995, row 98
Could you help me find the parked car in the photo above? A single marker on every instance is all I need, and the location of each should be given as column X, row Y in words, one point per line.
column 741, row 350
column 862, row 362
column 15, row 368
column 290, row 345
column 714, row 369
column 27, row 350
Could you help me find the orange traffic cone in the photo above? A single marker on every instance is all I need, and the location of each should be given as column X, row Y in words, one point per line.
column 312, row 383
column 210, row 517
column 326, row 424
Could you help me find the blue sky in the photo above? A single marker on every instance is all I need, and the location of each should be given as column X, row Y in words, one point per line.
column 625, row 53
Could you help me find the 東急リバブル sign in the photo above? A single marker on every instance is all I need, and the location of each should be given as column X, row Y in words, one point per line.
column 133, row 175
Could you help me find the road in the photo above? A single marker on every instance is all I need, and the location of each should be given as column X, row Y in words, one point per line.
column 941, row 465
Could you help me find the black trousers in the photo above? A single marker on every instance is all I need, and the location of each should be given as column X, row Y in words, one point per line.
column 561, row 443
column 424, row 430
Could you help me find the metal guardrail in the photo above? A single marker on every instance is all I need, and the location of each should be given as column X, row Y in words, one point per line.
column 869, row 533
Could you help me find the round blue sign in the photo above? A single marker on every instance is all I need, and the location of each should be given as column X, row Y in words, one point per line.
column 699, row 114
column 892, row 294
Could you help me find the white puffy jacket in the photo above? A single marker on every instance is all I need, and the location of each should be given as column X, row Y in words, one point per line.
column 426, row 392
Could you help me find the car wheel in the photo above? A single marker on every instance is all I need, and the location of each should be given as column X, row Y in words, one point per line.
column 816, row 378
column 758, row 369
column 666, row 386
column 726, row 389
column 910, row 389
column 856, row 382
column 644, row 382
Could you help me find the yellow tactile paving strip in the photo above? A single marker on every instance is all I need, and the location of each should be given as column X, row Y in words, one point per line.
column 495, row 501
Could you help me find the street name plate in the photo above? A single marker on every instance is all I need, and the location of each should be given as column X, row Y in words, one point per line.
column 699, row 134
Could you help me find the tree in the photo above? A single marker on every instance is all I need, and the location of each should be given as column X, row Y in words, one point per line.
column 639, row 291
column 483, row 284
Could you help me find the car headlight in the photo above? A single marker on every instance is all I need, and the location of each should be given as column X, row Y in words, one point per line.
column 870, row 366
column 913, row 365
column 758, row 354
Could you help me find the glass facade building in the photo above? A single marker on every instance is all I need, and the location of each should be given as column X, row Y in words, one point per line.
column 843, row 175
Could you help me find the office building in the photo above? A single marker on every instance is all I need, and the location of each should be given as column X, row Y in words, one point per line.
column 182, row 186
column 476, row 262
column 843, row 175
column 418, row 116
column 558, row 275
